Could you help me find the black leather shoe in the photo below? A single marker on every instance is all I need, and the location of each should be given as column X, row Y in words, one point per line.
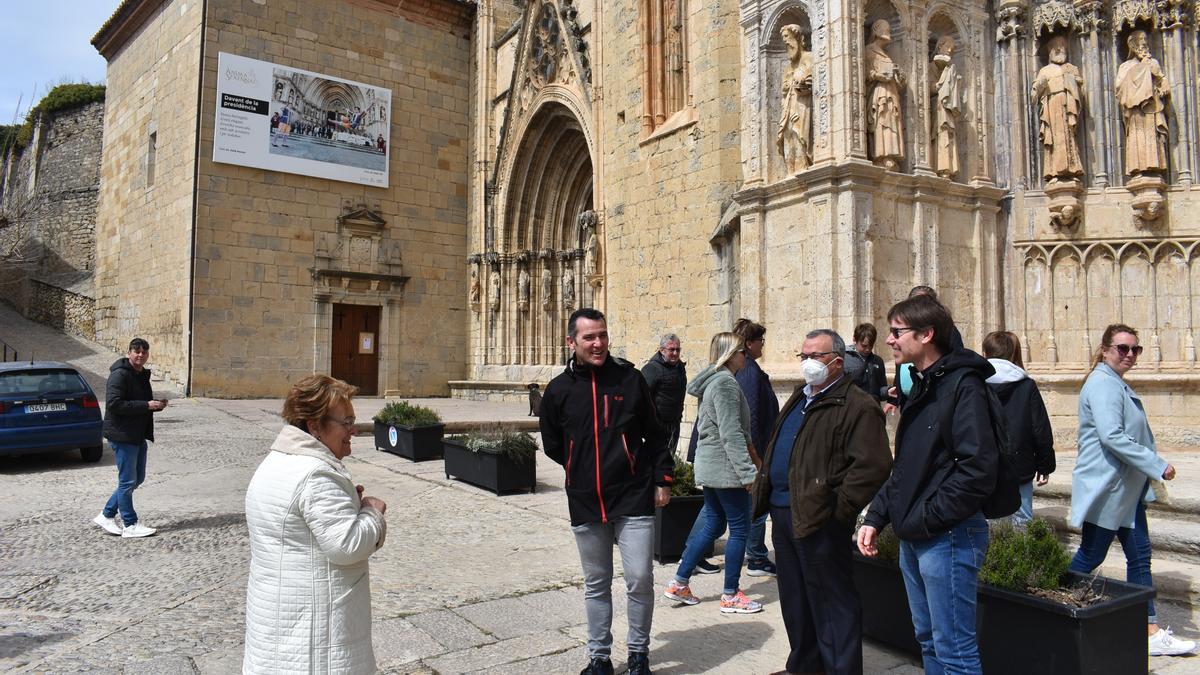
column 639, row 663
column 598, row 666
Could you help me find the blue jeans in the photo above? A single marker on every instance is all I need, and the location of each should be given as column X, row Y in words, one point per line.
column 634, row 537
column 131, row 472
column 1093, row 547
column 756, row 543
column 724, row 505
column 941, row 577
column 1024, row 513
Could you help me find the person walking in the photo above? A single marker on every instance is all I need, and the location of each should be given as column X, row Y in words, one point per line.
column 863, row 365
column 598, row 421
column 764, row 410
column 1025, row 415
column 129, row 407
column 666, row 375
column 308, row 597
column 1111, row 482
column 947, row 464
column 724, row 468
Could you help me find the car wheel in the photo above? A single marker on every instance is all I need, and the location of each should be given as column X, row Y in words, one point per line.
column 92, row 454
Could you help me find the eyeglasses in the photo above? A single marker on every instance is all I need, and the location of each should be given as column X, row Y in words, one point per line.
column 672, row 351
column 347, row 423
column 897, row 332
column 139, row 350
column 813, row 355
column 1124, row 350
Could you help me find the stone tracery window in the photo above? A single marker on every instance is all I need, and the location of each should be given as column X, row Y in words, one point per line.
column 664, row 45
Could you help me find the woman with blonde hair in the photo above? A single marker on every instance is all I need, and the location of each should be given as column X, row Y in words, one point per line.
column 724, row 468
column 1111, row 483
column 308, row 599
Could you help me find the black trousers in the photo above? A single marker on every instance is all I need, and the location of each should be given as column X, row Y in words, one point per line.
column 821, row 608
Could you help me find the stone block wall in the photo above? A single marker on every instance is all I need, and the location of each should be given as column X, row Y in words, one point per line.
column 144, row 222
column 258, row 322
column 48, row 206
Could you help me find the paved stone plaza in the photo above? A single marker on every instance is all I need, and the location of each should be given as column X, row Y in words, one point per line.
column 467, row 582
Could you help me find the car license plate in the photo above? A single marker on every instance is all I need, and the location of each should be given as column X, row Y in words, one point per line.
column 45, row 407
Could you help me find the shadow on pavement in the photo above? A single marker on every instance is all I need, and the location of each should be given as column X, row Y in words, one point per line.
column 710, row 645
column 52, row 461
column 15, row 645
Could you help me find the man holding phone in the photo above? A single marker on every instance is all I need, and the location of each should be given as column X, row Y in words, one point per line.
column 128, row 423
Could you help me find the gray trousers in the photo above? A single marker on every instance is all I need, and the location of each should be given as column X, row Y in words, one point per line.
column 634, row 536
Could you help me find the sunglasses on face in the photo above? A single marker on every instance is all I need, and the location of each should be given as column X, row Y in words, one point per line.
column 897, row 332
column 1124, row 350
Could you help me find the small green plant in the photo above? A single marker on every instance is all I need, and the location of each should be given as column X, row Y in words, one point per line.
column 684, row 483
column 1025, row 559
column 405, row 414
column 518, row 446
column 62, row 97
column 888, row 544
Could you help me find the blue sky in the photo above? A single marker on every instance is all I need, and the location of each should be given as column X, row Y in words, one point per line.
column 42, row 43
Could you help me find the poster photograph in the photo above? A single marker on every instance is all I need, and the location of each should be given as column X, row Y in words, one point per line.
column 269, row 116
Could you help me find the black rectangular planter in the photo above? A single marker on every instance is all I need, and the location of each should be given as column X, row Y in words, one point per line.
column 488, row 470
column 416, row 443
column 672, row 524
column 1021, row 633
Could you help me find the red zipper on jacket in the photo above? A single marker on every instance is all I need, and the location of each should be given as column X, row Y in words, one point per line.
column 570, row 451
column 606, row 411
column 627, row 454
column 596, row 438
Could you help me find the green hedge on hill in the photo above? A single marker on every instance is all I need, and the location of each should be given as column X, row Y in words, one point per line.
column 62, row 97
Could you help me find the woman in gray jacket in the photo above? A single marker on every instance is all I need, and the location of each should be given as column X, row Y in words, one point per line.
column 724, row 468
column 1111, row 484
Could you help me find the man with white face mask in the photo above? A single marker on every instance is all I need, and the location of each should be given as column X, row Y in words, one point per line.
column 826, row 459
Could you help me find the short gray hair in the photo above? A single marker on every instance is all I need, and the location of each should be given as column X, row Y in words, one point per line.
column 839, row 345
column 666, row 339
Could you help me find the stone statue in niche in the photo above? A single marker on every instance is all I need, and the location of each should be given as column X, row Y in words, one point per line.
column 591, row 253
column 475, row 289
column 795, row 121
column 495, row 290
column 568, row 288
column 523, row 289
column 547, row 288
column 947, row 109
column 1058, row 89
column 884, row 82
column 673, row 55
column 1142, row 91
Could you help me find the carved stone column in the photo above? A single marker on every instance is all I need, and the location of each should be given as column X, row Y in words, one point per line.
column 1170, row 20
column 1012, row 134
column 1099, row 135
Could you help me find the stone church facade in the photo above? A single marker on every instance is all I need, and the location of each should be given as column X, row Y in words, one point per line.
column 679, row 164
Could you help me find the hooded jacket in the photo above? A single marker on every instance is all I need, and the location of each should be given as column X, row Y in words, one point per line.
column 308, row 598
column 127, row 414
column 668, row 387
column 868, row 372
column 601, row 426
column 934, row 487
column 722, row 430
column 1026, row 417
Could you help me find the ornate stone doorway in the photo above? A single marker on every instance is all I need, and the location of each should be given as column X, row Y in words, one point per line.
column 354, row 352
column 546, row 260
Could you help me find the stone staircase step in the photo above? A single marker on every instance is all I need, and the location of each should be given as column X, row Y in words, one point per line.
column 1170, row 538
column 1176, row 505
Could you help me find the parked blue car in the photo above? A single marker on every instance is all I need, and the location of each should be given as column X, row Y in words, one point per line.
column 46, row 406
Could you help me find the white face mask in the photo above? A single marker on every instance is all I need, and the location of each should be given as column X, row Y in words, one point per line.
column 815, row 372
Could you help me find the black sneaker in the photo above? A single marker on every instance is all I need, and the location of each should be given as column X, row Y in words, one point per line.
column 639, row 663
column 760, row 568
column 598, row 666
column 705, row 567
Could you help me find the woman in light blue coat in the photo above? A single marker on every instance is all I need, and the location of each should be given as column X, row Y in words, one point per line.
column 1111, row 484
column 724, row 468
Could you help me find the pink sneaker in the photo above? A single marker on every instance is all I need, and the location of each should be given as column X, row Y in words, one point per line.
column 681, row 594
column 738, row 603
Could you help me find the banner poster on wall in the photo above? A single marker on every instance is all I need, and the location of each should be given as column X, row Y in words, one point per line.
column 283, row 119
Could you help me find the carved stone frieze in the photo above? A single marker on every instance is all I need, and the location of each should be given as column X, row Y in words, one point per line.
column 1010, row 20
column 1129, row 12
column 1170, row 14
column 1090, row 16
column 1053, row 16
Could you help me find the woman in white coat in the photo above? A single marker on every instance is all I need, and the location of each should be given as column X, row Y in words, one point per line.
column 1111, row 484
column 308, row 599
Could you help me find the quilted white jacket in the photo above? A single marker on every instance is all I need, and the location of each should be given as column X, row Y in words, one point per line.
column 308, row 600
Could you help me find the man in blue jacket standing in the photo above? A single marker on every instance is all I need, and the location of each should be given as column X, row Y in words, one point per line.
column 940, row 480
column 128, row 423
column 598, row 421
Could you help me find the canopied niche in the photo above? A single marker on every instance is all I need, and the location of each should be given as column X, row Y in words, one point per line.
column 785, row 127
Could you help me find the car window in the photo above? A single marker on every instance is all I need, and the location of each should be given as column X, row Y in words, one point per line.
column 41, row 383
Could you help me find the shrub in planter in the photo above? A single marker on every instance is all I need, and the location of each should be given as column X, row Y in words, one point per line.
column 1024, row 559
column 496, row 460
column 411, row 431
column 673, row 522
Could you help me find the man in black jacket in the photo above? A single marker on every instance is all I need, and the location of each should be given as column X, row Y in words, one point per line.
column 666, row 375
column 599, row 422
column 863, row 365
column 128, row 423
column 939, row 482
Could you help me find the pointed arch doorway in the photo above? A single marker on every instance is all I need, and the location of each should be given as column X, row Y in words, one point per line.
column 544, row 260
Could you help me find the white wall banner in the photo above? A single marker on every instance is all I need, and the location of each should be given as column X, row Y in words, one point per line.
column 283, row 119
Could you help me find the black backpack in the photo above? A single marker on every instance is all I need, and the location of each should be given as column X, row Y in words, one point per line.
column 1006, row 497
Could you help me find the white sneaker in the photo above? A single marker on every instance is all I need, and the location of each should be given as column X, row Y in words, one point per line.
column 109, row 525
column 137, row 530
column 1163, row 643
